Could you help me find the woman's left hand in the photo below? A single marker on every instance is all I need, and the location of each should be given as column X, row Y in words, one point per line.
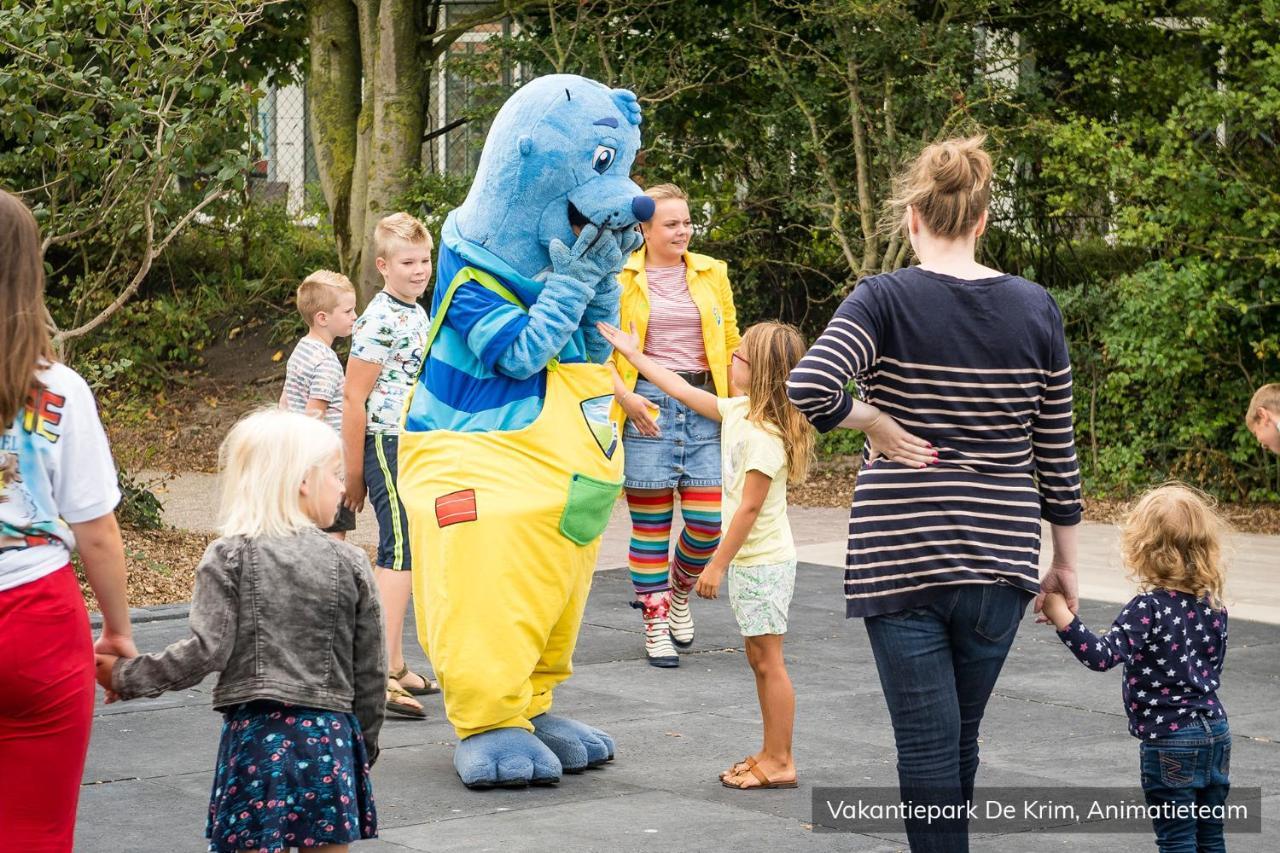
column 887, row 438
column 628, row 346
column 1060, row 579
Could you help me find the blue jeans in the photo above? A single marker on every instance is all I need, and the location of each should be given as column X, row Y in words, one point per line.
column 1190, row 766
column 938, row 664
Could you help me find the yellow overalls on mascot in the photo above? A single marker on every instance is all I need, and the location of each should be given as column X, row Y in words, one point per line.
column 510, row 463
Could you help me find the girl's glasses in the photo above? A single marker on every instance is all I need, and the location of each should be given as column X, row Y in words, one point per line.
column 741, row 358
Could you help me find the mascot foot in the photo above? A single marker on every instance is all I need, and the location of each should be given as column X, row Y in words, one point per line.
column 505, row 758
column 577, row 745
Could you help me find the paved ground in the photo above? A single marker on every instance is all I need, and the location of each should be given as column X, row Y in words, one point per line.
column 1049, row 724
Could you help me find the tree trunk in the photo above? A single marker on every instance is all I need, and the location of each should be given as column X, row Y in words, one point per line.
column 333, row 96
column 370, row 61
column 394, row 147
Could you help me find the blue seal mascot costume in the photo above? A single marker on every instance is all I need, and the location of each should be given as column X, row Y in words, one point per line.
column 510, row 462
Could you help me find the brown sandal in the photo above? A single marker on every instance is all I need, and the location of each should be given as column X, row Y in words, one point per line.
column 741, row 767
column 430, row 688
column 765, row 782
column 398, row 702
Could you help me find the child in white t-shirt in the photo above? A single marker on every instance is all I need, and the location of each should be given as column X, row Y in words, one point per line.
column 764, row 444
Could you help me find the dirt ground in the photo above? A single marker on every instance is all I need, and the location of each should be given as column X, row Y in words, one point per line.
column 181, row 427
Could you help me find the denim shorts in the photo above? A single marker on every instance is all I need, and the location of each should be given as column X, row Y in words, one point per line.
column 380, row 452
column 686, row 453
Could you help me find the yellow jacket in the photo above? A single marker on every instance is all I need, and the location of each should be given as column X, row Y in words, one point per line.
column 708, row 281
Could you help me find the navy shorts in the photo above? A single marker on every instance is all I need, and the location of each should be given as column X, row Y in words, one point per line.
column 687, row 453
column 380, row 451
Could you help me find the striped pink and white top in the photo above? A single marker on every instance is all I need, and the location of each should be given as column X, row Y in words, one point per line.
column 674, row 337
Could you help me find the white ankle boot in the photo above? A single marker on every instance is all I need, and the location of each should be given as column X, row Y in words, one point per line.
column 680, row 618
column 658, row 647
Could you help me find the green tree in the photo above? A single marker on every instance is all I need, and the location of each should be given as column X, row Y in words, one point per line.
column 124, row 123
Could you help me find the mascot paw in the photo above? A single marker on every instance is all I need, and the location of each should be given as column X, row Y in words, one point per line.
column 577, row 745
column 505, row 758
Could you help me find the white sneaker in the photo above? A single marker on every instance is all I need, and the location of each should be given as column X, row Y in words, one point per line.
column 680, row 618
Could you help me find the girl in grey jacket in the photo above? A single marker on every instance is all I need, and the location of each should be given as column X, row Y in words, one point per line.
column 290, row 620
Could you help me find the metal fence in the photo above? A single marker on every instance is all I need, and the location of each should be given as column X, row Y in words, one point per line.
column 286, row 169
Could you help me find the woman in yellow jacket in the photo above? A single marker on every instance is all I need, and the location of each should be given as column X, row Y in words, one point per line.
column 682, row 309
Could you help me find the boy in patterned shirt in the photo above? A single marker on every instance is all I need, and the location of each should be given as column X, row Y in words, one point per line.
column 386, row 355
column 313, row 377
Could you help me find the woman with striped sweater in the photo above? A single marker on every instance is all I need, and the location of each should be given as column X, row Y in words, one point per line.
column 965, row 387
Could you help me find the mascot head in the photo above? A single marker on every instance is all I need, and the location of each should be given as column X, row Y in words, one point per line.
column 559, row 154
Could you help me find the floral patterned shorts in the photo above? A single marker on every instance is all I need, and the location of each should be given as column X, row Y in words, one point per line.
column 761, row 596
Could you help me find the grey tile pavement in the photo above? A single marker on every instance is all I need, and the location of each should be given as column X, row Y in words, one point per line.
column 1049, row 723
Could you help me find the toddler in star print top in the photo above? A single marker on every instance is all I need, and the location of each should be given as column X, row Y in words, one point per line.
column 1172, row 639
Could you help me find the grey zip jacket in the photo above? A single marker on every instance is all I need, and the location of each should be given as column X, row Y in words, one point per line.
column 291, row 619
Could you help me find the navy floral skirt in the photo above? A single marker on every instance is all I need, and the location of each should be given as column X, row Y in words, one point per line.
column 289, row 777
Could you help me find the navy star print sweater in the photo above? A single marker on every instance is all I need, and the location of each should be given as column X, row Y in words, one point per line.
column 1172, row 647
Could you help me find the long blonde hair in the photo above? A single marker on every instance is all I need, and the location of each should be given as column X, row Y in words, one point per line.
column 1172, row 537
column 263, row 461
column 773, row 349
column 24, row 332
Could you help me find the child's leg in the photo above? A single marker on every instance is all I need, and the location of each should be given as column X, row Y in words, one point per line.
column 700, row 509
column 394, row 560
column 777, row 708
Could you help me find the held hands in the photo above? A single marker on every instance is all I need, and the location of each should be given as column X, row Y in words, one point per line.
column 1060, row 584
column 109, row 648
column 708, row 585
column 886, row 438
column 104, row 664
column 1054, row 606
column 594, row 256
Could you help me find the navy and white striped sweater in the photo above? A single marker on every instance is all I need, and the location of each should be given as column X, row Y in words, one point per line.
column 980, row 369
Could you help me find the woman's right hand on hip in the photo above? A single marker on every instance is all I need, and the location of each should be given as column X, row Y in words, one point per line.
column 887, row 438
column 640, row 411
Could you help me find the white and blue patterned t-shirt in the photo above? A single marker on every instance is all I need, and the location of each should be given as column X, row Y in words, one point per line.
column 393, row 334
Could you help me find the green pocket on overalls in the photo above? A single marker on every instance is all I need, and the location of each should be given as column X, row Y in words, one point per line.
column 588, row 508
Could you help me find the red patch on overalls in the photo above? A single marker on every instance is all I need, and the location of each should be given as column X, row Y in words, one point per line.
column 456, row 507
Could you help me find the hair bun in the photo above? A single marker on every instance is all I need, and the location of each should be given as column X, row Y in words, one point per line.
column 948, row 184
column 959, row 165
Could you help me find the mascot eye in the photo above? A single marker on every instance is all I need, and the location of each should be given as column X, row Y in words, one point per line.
column 603, row 158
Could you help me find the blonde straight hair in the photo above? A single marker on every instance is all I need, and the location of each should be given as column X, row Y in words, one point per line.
column 263, row 461
column 773, row 350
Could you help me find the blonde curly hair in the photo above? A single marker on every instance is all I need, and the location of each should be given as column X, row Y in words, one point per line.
column 1173, row 538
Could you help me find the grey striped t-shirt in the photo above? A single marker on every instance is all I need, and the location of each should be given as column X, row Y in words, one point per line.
column 314, row 373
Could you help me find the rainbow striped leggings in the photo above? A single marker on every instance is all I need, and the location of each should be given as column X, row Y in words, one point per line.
column 652, row 567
